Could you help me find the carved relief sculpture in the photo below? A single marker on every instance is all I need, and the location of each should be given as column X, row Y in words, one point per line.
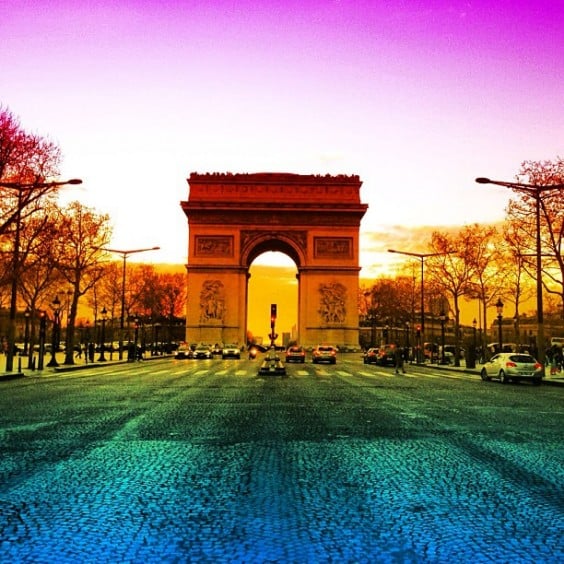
column 212, row 301
column 333, row 302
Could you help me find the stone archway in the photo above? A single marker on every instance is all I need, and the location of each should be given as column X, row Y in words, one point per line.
column 233, row 218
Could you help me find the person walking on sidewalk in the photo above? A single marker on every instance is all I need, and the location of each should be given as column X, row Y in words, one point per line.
column 398, row 357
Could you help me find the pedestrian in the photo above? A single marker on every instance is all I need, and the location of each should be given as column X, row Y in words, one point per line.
column 398, row 357
column 91, row 351
column 79, row 351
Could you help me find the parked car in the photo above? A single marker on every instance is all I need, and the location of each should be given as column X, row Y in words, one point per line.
column 386, row 355
column 230, row 351
column 324, row 353
column 295, row 354
column 202, row 351
column 514, row 367
column 371, row 356
column 183, row 351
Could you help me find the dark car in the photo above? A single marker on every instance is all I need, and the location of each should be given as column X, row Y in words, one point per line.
column 386, row 355
column 295, row 354
column 371, row 356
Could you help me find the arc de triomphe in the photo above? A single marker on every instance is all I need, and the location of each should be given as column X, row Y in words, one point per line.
column 234, row 218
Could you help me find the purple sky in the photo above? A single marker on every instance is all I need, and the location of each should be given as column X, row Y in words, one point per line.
column 417, row 97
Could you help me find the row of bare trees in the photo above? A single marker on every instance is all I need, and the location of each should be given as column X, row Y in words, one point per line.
column 489, row 262
column 48, row 249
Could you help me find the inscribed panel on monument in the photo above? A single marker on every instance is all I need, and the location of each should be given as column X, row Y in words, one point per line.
column 333, row 247
column 214, row 246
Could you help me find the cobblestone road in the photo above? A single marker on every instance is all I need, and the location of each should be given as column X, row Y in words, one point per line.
column 205, row 461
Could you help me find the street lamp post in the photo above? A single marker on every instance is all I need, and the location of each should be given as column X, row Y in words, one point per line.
column 421, row 257
column 56, row 305
column 442, row 318
column 102, row 357
column 499, row 308
column 27, row 314
column 535, row 190
column 124, row 255
column 407, row 330
column 42, row 334
column 21, row 188
column 471, row 361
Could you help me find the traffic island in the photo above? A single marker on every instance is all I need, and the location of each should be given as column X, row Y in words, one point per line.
column 272, row 364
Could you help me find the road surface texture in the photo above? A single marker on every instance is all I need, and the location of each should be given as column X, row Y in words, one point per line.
column 207, row 461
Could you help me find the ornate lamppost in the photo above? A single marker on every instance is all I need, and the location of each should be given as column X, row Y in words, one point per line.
column 407, row 345
column 471, row 362
column 102, row 358
column 442, row 318
column 499, row 307
column 42, row 334
column 27, row 314
column 56, row 306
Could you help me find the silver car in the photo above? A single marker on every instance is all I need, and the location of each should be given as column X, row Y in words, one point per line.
column 513, row 366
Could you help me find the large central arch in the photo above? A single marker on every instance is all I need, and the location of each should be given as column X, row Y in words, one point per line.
column 233, row 218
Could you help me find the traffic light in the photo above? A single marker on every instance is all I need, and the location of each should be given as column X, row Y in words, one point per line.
column 272, row 314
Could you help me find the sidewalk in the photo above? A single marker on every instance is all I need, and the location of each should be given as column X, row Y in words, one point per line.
column 553, row 380
column 21, row 370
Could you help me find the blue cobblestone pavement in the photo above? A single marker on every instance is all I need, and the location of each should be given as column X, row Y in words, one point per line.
column 177, row 480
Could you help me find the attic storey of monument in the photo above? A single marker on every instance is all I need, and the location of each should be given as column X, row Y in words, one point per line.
column 233, row 218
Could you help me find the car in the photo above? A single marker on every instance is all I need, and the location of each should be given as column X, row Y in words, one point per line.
column 230, row 351
column 513, row 367
column 371, row 356
column 183, row 351
column 386, row 355
column 324, row 353
column 295, row 354
column 202, row 351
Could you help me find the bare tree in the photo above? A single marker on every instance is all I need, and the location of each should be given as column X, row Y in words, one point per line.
column 81, row 234
column 25, row 158
column 522, row 211
column 487, row 274
column 451, row 273
column 518, row 279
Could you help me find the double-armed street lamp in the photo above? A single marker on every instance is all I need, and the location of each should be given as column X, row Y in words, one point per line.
column 124, row 255
column 421, row 257
column 535, row 190
column 20, row 188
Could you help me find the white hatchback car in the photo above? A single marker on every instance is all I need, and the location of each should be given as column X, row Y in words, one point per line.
column 514, row 367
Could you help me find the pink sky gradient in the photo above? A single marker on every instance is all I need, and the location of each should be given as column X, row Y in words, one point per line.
column 417, row 97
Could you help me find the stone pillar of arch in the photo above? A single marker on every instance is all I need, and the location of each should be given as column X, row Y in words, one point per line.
column 234, row 218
